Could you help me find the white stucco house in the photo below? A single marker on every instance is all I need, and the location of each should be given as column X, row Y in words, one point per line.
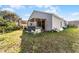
column 47, row 21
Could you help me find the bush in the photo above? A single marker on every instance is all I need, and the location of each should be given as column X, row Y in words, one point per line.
column 17, row 28
column 8, row 26
column 72, row 26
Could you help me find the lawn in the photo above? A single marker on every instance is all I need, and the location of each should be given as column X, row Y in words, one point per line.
column 20, row 41
column 65, row 41
column 10, row 42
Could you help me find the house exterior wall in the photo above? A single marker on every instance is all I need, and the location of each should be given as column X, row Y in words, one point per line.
column 47, row 17
column 58, row 22
column 52, row 21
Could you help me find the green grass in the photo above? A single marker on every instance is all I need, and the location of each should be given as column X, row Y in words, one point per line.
column 18, row 41
column 65, row 41
column 10, row 42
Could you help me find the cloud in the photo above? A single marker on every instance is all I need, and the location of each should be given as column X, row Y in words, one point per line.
column 9, row 9
column 26, row 16
column 43, row 6
column 52, row 9
column 17, row 6
column 72, row 16
column 55, row 10
column 75, row 14
column 39, row 6
column 48, row 8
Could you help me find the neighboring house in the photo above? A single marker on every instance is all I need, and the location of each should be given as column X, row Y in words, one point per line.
column 47, row 21
column 23, row 23
column 75, row 23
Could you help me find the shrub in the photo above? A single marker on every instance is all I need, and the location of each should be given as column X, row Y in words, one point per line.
column 17, row 27
column 8, row 26
column 72, row 26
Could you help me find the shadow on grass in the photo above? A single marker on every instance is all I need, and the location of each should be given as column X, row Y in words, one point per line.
column 23, row 41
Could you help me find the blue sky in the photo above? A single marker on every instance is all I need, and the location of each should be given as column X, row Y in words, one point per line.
column 68, row 12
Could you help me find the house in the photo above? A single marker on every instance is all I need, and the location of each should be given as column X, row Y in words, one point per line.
column 23, row 23
column 75, row 23
column 47, row 21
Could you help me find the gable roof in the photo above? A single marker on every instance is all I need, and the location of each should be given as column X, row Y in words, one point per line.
column 48, row 13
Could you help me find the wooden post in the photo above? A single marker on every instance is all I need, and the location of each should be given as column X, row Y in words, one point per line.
column 35, row 21
column 41, row 23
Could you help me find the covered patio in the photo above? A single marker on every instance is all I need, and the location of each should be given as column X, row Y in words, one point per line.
column 39, row 22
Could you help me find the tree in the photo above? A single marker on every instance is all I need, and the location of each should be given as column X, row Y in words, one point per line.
column 6, row 26
column 2, row 25
column 9, row 21
column 9, row 16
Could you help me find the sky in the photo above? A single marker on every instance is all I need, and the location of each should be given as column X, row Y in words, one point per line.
column 68, row 12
